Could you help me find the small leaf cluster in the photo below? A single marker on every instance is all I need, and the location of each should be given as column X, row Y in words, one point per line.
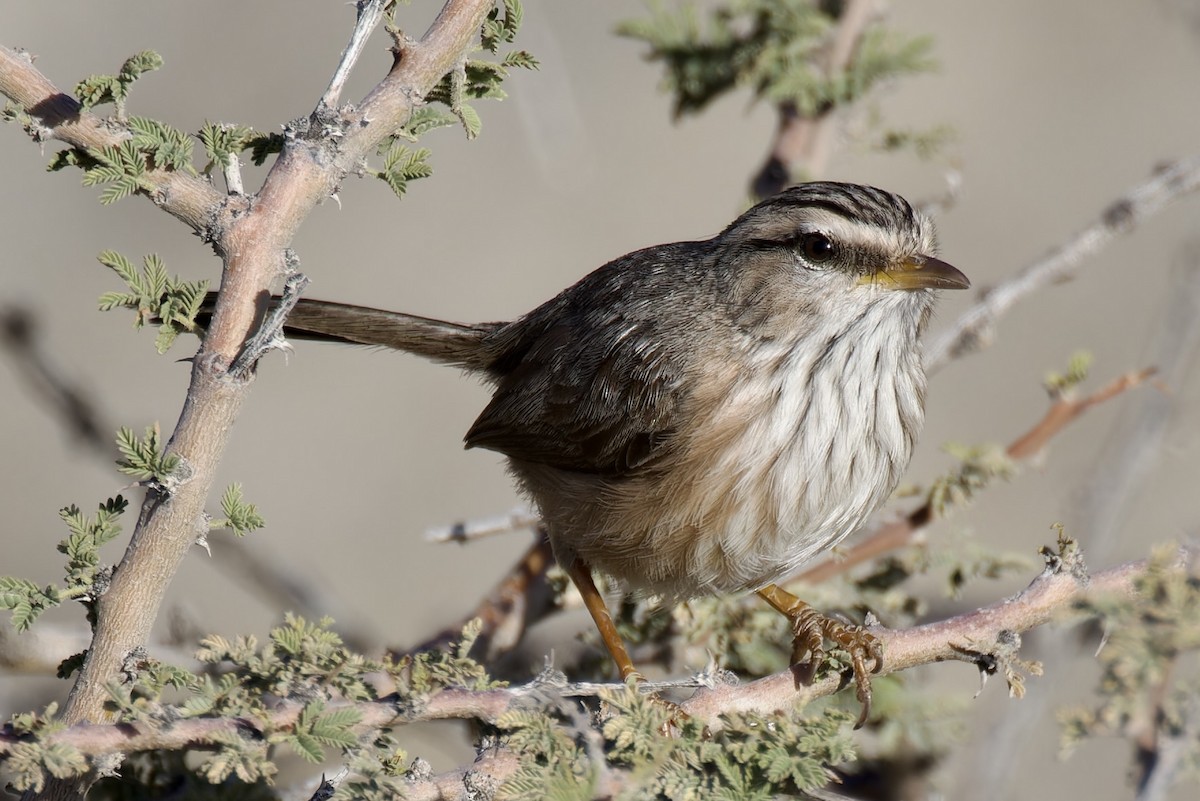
column 479, row 79
column 82, row 547
column 1059, row 385
column 144, row 458
column 30, row 762
column 553, row 765
column 224, row 141
column 979, row 466
column 401, row 165
column 420, row 675
column 1145, row 675
column 770, row 47
column 99, row 89
column 155, row 296
column 240, row 517
column 751, row 757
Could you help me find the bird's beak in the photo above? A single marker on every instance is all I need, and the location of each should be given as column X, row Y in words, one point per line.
column 918, row 272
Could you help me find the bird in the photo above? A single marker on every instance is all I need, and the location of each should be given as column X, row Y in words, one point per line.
column 707, row 416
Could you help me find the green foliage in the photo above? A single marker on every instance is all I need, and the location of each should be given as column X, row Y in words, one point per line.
column 419, row 675
column 1148, row 673
column 240, row 516
column 155, row 296
column 749, row 757
column 302, row 659
column 478, row 79
column 1060, row 384
column 770, row 47
column 122, row 167
column 26, row 600
column 165, row 147
column 143, row 458
column 224, row 141
column 402, row 165
column 82, row 547
column 30, row 762
column 99, row 89
column 979, row 466
column 316, row 728
column 422, row 120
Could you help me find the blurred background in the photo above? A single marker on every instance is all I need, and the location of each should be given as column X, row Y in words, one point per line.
column 1057, row 109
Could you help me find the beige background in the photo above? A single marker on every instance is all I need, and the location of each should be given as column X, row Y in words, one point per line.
column 350, row 455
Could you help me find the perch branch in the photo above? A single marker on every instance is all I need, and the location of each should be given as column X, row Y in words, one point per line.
column 970, row 637
column 253, row 245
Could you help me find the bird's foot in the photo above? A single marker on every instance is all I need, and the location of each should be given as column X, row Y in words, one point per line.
column 811, row 628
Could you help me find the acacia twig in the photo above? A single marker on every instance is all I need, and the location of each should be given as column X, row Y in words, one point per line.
column 974, row 330
column 370, row 12
column 973, row 637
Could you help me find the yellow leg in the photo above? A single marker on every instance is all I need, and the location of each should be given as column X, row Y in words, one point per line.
column 811, row 628
column 581, row 574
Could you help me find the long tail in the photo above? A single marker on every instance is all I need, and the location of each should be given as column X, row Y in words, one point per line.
column 441, row 341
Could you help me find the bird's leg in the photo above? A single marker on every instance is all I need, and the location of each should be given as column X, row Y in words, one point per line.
column 811, row 628
column 581, row 574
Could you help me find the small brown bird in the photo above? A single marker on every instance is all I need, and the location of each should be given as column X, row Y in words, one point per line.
column 705, row 417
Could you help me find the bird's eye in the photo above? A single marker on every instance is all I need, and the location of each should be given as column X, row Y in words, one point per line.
column 817, row 248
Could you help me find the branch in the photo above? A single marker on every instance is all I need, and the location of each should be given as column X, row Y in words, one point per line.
column 253, row 244
column 808, row 140
column 187, row 197
column 975, row 329
column 983, row 637
column 370, row 12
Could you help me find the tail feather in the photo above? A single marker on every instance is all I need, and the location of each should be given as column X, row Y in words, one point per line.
column 441, row 341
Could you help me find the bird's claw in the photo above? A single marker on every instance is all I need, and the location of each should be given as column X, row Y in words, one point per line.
column 811, row 628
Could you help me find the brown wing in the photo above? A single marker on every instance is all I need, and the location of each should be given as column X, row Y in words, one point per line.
column 597, row 396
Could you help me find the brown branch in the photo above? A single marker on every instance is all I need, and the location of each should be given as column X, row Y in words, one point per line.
column 899, row 533
column 978, row 637
column 807, row 139
column 974, row 330
column 59, row 116
column 253, row 244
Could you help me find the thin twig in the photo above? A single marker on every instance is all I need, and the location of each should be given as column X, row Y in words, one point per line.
column 464, row 531
column 975, row 328
column 370, row 12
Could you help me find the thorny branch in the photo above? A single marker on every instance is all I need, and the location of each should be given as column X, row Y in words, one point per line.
column 252, row 243
column 981, row 637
